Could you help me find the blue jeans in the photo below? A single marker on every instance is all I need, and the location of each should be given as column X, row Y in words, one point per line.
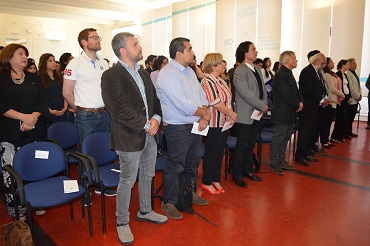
column 130, row 163
column 88, row 123
column 183, row 149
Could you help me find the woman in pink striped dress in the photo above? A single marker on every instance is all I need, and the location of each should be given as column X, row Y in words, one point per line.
column 219, row 98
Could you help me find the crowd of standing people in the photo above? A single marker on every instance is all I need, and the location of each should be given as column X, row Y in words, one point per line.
column 135, row 104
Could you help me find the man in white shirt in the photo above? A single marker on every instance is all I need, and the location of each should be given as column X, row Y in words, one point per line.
column 81, row 88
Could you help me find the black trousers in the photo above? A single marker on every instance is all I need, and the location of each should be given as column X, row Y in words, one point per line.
column 351, row 114
column 306, row 131
column 340, row 121
column 246, row 138
column 328, row 117
column 319, row 122
column 214, row 149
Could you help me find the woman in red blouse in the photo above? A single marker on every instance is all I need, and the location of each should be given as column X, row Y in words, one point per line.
column 219, row 98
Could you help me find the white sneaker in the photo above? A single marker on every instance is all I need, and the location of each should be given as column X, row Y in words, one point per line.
column 40, row 212
column 151, row 217
column 124, row 234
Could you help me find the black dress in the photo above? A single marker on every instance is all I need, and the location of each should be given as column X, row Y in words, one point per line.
column 26, row 98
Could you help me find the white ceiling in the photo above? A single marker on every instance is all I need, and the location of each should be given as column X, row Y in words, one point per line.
column 108, row 12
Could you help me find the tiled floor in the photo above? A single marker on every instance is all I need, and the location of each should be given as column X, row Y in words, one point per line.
column 325, row 204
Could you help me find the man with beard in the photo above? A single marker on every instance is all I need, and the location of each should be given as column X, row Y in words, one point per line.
column 81, row 86
column 312, row 89
column 81, row 89
column 131, row 100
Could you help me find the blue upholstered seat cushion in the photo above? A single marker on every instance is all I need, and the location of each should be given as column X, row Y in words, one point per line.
column 109, row 177
column 50, row 192
column 231, row 142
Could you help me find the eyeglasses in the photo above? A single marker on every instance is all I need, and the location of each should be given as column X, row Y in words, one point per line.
column 96, row 38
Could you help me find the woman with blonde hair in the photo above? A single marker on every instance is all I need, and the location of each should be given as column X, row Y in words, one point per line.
column 219, row 98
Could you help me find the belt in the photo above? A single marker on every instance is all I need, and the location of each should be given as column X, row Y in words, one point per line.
column 93, row 110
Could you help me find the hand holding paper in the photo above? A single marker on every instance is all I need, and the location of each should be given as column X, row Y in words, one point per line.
column 195, row 129
column 256, row 115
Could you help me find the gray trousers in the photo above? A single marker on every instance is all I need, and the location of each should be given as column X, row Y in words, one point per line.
column 131, row 162
column 282, row 134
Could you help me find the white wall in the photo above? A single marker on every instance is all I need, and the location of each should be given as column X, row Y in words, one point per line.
column 34, row 31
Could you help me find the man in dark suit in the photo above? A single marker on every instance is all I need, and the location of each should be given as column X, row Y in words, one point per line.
column 250, row 95
column 287, row 102
column 312, row 89
column 131, row 100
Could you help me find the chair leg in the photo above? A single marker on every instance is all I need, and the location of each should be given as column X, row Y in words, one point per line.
column 71, row 211
column 29, row 220
column 294, row 142
column 158, row 190
column 259, row 155
column 89, row 215
column 358, row 121
column 103, row 219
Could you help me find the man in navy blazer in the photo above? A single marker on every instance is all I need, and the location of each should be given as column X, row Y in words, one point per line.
column 131, row 100
column 250, row 95
column 287, row 102
column 312, row 89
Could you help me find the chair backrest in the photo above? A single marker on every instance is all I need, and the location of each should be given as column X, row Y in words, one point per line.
column 64, row 133
column 39, row 160
column 97, row 146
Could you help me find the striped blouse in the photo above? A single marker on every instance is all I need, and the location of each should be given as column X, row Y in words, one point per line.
column 216, row 91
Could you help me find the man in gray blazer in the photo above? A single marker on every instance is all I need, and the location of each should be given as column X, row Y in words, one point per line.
column 356, row 95
column 250, row 95
column 131, row 100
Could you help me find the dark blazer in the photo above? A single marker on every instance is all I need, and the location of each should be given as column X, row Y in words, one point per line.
column 123, row 100
column 286, row 97
column 311, row 89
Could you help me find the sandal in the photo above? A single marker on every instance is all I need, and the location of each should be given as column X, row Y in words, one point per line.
column 327, row 146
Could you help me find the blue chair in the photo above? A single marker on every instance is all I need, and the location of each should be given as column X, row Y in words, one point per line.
column 358, row 112
column 65, row 134
column 95, row 148
column 229, row 148
column 38, row 182
column 159, row 166
column 264, row 136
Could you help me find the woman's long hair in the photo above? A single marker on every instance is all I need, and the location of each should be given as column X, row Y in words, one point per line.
column 43, row 75
column 265, row 67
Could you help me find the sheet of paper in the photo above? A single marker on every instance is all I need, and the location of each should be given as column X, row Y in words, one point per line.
column 70, row 186
column 118, row 170
column 196, row 131
column 227, row 126
column 41, row 154
column 255, row 115
column 328, row 99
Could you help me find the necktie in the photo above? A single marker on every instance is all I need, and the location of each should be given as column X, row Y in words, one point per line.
column 322, row 83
